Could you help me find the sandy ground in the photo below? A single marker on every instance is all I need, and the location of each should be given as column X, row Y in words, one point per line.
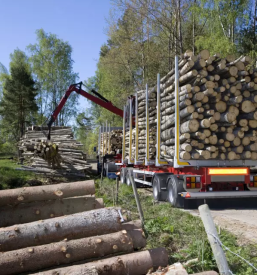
column 242, row 223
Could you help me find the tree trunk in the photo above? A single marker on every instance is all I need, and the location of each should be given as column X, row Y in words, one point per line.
column 66, row 252
column 79, row 225
column 122, row 264
column 46, row 192
column 41, row 210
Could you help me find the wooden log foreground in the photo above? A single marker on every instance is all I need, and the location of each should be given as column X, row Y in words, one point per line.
column 46, row 192
column 66, row 252
column 79, row 225
column 135, row 263
column 41, row 210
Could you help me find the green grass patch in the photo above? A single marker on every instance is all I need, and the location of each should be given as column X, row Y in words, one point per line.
column 11, row 178
column 182, row 234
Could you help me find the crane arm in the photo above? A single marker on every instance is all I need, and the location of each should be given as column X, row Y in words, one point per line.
column 100, row 100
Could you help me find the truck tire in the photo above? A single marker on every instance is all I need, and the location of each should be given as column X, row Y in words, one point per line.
column 174, row 188
column 156, row 189
column 159, row 184
column 128, row 179
column 122, row 176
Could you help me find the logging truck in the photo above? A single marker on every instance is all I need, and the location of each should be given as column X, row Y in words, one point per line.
column 179, row 178
column 202, row 94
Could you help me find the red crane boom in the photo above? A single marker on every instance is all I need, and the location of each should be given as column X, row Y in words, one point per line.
column 99, row 100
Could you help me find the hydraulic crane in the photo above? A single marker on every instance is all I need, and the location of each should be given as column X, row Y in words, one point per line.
column 98, row 99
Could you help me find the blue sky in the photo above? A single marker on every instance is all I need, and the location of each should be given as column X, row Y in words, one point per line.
column 80, row 22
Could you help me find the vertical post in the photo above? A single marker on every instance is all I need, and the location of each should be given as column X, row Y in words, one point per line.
column 147, row 125
column 109, row 138
column 136, row 114
column 177, row 119
column 130, row 130
column 106, row 137
column 117, row 189
column 139, row 208
column 102, row 137
column 177, row 161
column 213, row 238
column 123, row 135
column 158, row 161
column 99, row 141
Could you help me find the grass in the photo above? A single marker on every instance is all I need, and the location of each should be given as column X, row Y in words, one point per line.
column 11, row 178
column 182, row 234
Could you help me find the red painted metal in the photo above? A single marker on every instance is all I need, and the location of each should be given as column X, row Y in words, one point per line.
column 107, row 105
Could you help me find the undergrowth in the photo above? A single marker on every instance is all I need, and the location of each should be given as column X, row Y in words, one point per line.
column 11, row 178
column 182, row 234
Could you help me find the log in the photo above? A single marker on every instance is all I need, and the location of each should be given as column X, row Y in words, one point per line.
column 46, row 192
column 65, row 252
column 247, row 106
column 189, row 126
column 40, row 210
column 79, row 225
column 134, row 263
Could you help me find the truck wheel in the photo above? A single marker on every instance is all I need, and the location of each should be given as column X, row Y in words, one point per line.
column 128, row 179
column 104, row 172
column 174, row 188
column 156, row 189
column 122, row 176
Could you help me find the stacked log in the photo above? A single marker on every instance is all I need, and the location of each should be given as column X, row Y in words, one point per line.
column 112, row 140
column 67, row 222
column 152, row 101
column 60, row 157
column 142, row 128
column 217, row 108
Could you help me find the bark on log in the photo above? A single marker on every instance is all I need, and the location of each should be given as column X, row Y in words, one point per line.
column 65, row 252
column 46, row 192
column 40, row 210
column 80, row 225
column 134, row 263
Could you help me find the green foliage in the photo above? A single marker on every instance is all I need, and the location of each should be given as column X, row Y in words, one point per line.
column 11, row 178
column 53, row 67
column 18, row 105
column 87, row 134
column 157, row 225
column 182, row 234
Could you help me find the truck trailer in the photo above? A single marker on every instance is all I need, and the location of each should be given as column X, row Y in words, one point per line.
column 176, row 180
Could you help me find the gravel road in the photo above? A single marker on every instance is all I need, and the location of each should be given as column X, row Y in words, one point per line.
column 242, row 223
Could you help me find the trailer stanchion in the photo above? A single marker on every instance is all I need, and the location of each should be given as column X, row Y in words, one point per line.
column 124, row 135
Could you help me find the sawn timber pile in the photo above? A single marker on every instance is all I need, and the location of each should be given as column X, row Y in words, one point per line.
column 218, row 100
column 63, row 228
column 60, row 157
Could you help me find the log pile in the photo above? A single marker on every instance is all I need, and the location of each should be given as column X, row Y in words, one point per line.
column 217, row 103
column 142, row 128
column 142, row 124
column 60, row 157
column 57, row 226
column 112, row 141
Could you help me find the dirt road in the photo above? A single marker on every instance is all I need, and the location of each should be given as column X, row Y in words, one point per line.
column 242, row 223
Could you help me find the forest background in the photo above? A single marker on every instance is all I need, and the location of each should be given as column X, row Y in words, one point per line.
column 143, row 38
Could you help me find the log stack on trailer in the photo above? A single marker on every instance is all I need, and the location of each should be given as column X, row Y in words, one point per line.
column 57, row 226
column 217, row 108
column 60, row 157
column 111, row 142
column 145, row 111
column 206, row 134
